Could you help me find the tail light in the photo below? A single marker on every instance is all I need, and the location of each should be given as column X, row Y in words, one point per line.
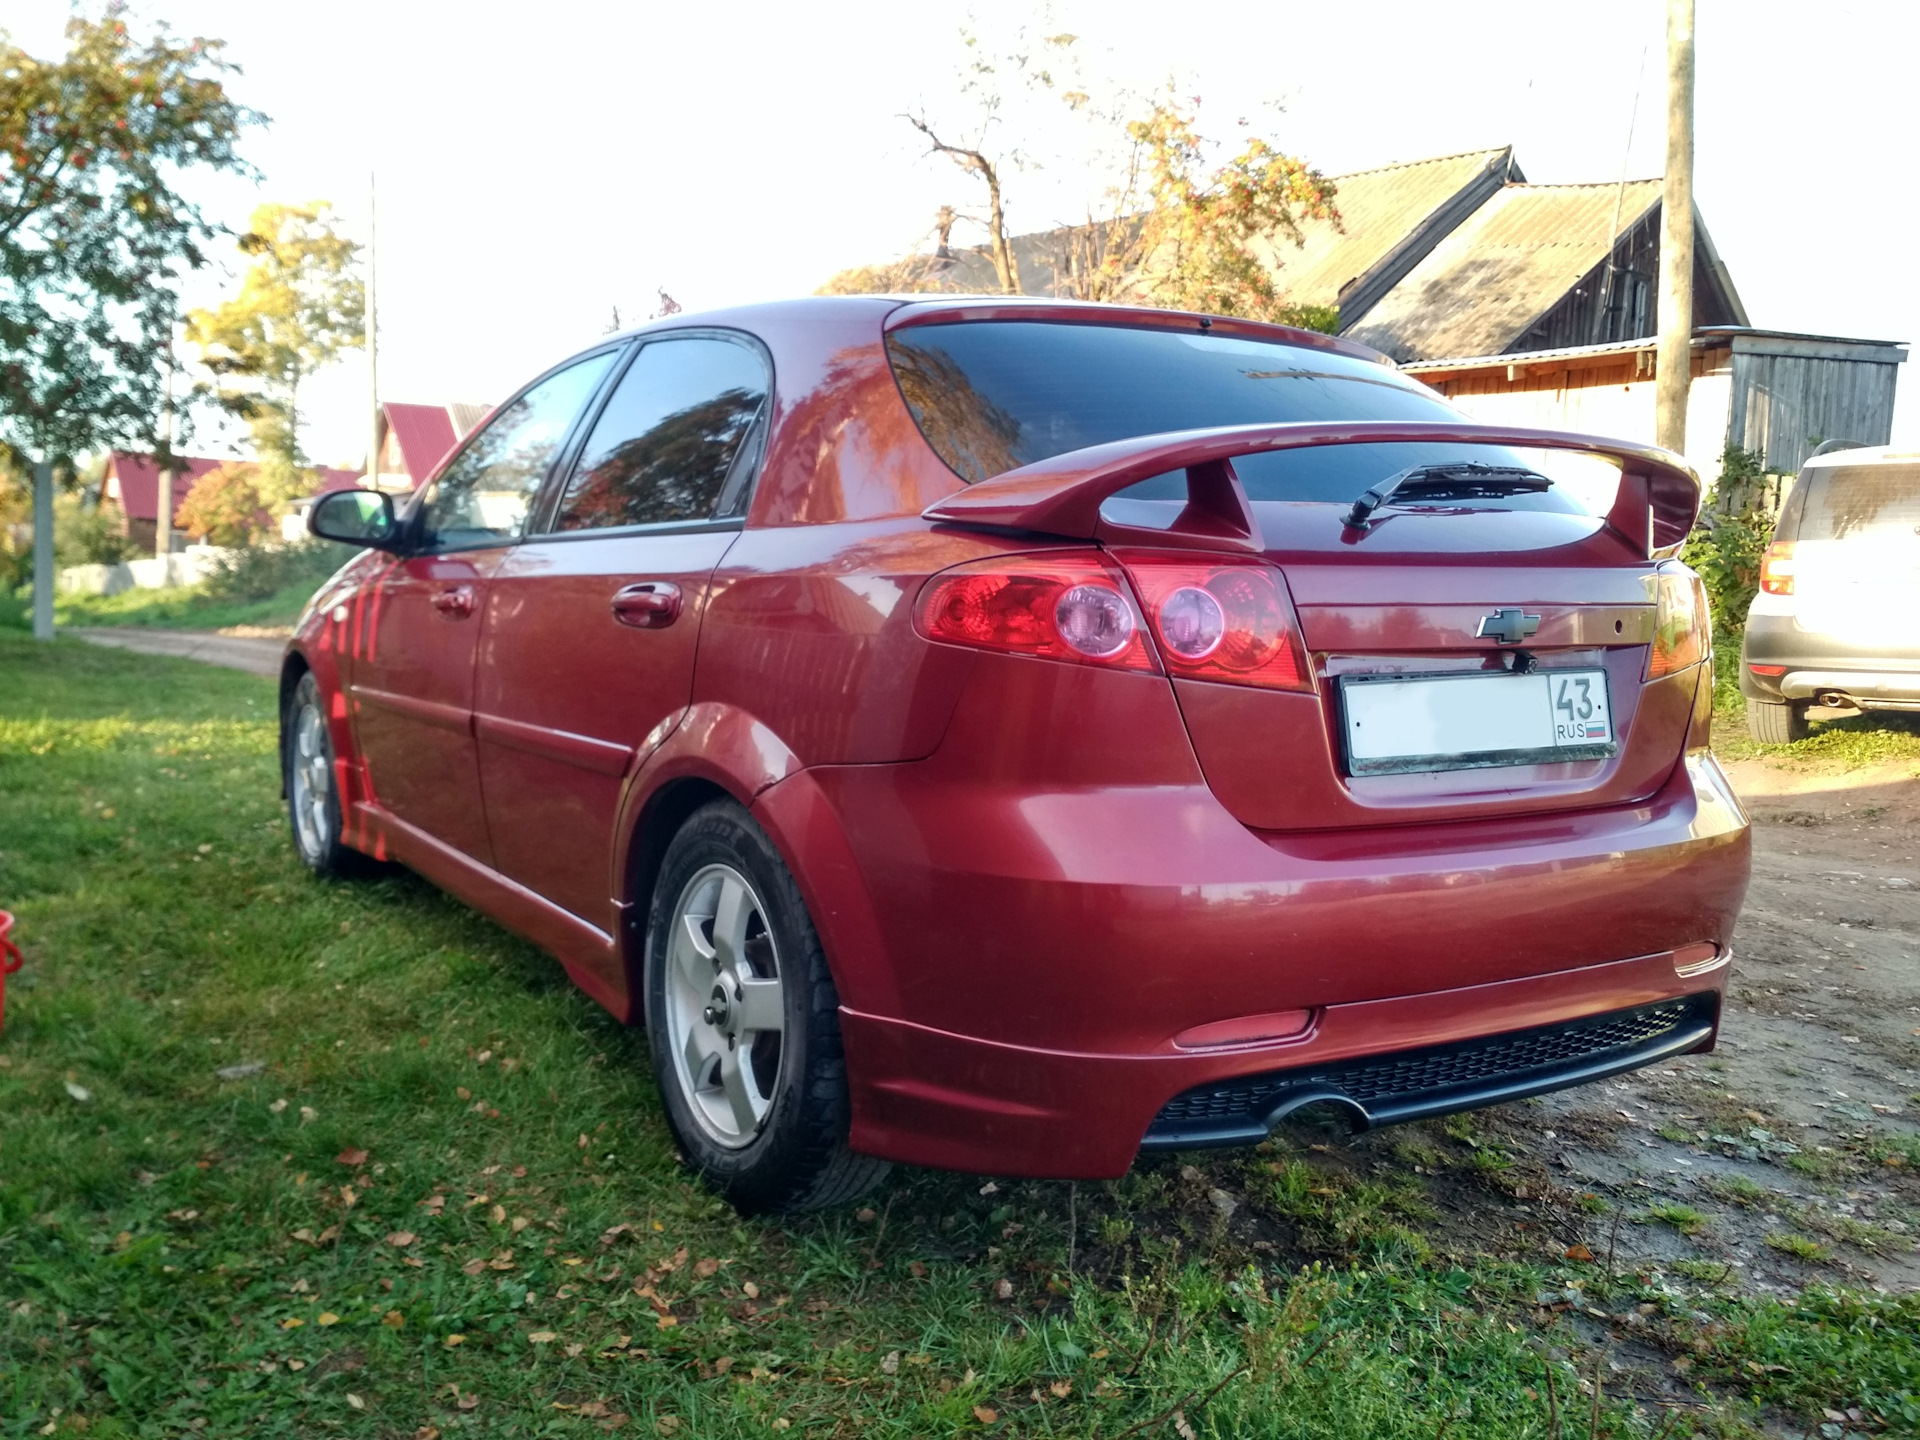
column 1226, row 620
column 1776, row 568
column 1060, row 606
column 1682, row 633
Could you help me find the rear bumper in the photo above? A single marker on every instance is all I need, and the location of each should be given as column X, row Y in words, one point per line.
column 1032, row 1018
column 1814, row 665
column 931, row 1098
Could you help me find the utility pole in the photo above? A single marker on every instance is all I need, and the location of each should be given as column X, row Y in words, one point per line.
column 163, row 510
column 43, row 550
column 1676, row 237
column 373, row 343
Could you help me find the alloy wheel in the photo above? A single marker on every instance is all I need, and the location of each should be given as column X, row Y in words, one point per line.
column 309, row 787
column 726, row 1005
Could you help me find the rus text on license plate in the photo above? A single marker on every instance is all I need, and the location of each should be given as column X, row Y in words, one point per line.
column 1397, row 723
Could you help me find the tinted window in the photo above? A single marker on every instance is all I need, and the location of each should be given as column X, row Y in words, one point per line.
column 1842, row 501
column 670, row 435
column 482, row 498
column 992, row 396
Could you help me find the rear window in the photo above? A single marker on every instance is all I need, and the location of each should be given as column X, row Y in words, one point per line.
column 1838, row 502
column 991, row 396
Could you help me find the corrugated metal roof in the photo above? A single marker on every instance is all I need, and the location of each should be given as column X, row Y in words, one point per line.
column 1381, row 210
column 1504, row 267
column 134, row 480
column 1378, row 210
column 425, row 434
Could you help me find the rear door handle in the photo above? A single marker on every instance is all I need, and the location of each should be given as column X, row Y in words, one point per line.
column 455, row 604
column 650, row 605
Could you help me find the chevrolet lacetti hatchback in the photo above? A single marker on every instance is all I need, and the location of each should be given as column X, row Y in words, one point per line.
column 1008, row 735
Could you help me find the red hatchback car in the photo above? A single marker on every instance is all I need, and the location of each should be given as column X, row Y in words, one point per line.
column 1009, row 735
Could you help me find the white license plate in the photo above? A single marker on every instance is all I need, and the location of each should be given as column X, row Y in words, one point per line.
column 1458, row 722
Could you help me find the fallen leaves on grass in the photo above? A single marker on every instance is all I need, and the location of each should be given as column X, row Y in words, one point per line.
column 327, row 1317
column 543, row 1337
column 1579, row 1252
column 706, row 1269
column 985, row 1414
column 353, row 1155
column 79, row 1092
column 400, row 1239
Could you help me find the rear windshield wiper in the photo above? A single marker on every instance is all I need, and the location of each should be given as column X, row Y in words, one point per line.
column 1460, row 480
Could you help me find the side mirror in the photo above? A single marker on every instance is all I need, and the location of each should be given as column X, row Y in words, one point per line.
column 355, row 517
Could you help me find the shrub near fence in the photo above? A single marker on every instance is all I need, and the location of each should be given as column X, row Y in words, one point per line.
column 1734, row 527
column 256, row 572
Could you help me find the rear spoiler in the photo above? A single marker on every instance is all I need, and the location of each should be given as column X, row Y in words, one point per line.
column 1657, row 503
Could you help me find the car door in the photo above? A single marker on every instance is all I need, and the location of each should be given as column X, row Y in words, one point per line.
column 412, row 685
column 591, row 626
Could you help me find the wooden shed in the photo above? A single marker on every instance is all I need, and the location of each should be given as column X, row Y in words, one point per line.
column 1770, row 391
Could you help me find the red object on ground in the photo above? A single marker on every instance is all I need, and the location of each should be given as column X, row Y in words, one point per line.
column 10, row 960
column 1064, row 752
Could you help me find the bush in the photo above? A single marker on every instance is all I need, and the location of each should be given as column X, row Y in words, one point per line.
column 225, row 506
column 86, row 532
column 1726, row 546
column 261, row 571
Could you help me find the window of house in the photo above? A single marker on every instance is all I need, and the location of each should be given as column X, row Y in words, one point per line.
column 483, row 497
column 673, row 433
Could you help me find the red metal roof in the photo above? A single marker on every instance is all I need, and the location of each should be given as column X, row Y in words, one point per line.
column 425, row 434
column 138, row 478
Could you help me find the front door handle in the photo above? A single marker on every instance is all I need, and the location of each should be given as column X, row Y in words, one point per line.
column 650, row 605
column 455, row 604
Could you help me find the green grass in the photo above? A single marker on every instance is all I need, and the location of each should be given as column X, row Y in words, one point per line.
column 1684, row 1218
column 182, row 608
column 446, row 1200
column 1850, row 741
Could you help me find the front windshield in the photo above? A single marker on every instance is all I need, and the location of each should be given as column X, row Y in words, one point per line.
column 991, row 396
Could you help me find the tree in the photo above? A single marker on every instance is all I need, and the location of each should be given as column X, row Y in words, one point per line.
column 93, row 234
column 299, row 306
column 1181, row 232
column 991, row 81
column 1180, row 223
column 228, row 506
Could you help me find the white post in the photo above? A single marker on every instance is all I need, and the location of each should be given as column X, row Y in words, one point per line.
column 373, row 341
column 1674, row 379
column 43, row 551
column 163, row 500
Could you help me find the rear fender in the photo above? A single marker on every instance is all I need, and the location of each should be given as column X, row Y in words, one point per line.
column 716, row 750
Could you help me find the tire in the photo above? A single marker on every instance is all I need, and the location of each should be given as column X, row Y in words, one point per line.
column 761, row 1113
column 1772, row 723
column 313, row 795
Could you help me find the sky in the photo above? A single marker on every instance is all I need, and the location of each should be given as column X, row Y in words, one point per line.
column 540, row 166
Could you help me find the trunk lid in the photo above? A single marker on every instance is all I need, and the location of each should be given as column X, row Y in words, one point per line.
column 1408, row 600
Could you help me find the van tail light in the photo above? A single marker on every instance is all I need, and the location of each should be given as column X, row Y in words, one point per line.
column 1057, row 606
column 1682, row 631
column 1776, row 568
column 1222, row 619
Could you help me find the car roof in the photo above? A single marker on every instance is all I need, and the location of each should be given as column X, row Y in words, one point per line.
column 894, row 311
column 1866, row 455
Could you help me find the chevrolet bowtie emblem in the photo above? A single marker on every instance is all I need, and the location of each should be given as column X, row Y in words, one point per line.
column 1508, row 627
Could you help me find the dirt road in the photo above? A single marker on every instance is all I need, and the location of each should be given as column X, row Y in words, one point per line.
column 256, row 654
column 1793, row 1153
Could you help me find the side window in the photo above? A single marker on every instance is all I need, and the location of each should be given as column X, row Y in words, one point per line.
column 670, row 436
column 482, row 498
